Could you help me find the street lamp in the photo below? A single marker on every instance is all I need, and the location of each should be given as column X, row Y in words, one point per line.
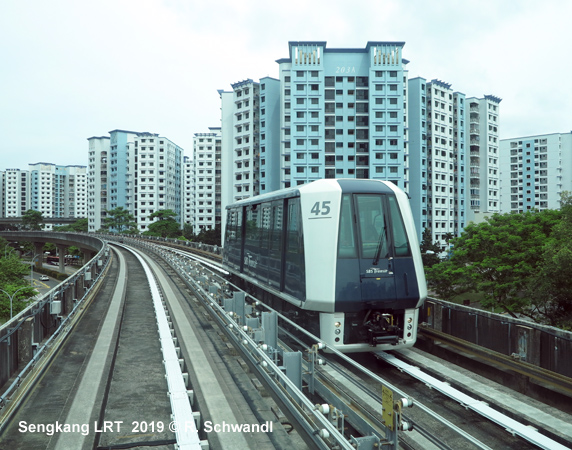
column 5, row 247
column 11, row 297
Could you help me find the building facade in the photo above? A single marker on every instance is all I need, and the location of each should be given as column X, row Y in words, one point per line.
column 437, row 159
column 203, row 187
column 16, row 192
column 97, row 181
column 58, row 191
column 137, row 171
column 533, row 171
column 343, row 113
column 482, row 117
column 354, row 113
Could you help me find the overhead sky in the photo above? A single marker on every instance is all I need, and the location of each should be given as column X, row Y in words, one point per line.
column 73, row 69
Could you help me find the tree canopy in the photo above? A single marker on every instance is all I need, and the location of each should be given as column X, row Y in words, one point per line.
column 12, row 282
column 119, row 220
column 165, row 225
column 429, row 250
column 518, row 262
column 80, row 225
column 33, row 220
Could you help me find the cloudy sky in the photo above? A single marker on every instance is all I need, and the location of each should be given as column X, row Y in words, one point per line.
column 71, row 69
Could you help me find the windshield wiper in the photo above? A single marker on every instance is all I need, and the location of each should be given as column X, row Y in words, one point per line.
column 379, row 246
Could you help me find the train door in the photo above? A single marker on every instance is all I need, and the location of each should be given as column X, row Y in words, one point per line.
column 375, row 248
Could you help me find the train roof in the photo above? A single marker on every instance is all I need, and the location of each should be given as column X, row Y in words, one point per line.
column 345, row 184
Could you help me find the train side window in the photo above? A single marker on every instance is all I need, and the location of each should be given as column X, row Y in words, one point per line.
column 294, row 270
column 346, row 242
column 265, row 226
column 295, row 242
column 400, row 240
column 276, row 231
column 233, row 237
column 252, row 237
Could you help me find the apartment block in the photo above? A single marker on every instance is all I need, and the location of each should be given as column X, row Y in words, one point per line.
column 188, row 181
column 16, row 192
column 533, row 171
column 343, row 113
column 97, row 181
column 270, row 149
column 484, row 176
column 58, row 191
column 205, row 185
column 138, row 171
column 157, row 178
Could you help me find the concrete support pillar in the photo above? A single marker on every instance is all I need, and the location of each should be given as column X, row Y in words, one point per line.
column 87, row 255
column 62, row 254
column 39, row 251
column 25, row 337
column 67, row 300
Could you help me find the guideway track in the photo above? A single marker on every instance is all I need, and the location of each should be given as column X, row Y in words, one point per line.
column 550, row 444
column 260, row 360
column 105, row 384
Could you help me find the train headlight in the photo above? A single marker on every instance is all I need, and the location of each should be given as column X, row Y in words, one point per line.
column 338, row 324
column 409, row 320
column 337, row 331
column 409, row 326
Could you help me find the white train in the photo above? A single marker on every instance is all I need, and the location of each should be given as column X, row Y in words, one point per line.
column 339, row 256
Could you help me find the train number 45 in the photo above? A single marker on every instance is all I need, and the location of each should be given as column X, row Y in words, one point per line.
column 321, row 209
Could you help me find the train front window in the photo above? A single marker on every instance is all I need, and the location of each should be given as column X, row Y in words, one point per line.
column 400, row 241
column 372, row 223
column 346, row 244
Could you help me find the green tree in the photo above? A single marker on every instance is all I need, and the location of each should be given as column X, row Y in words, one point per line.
column 210, row 236
column 188, row 232
column 33, row 220
column 429, row 250
column 551, row 289
column 79, row 226
column 12, row 273
column 119, row 220
column 165, row 225
column 497, row 258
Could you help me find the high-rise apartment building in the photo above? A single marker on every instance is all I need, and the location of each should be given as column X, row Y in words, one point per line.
column 75, row 190
column 353, row 113
column 188, row 191
column 2, row 196
column 269, row 121
column 140, row 172
column 157, row 178
column 55, row 191
column 16, row 192
column 484, row 176
column 122, row 164
column 97, row 181
column 343, row 113
column 58, row 191
column 437, row 161
column 533, row 171
column 205, row 185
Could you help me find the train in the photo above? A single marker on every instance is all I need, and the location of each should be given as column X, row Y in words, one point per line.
column 338, row 256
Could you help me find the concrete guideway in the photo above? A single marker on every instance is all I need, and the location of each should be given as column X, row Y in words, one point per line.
column 107, row 384
column 222, row 408
column 45, row 398
column 81, row 409
column 479, row 406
